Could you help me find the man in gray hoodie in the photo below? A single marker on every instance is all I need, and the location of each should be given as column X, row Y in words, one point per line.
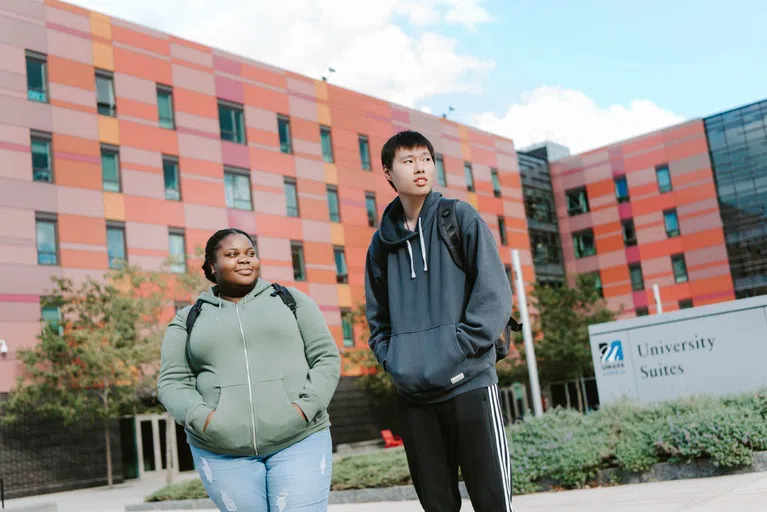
column 433, row 327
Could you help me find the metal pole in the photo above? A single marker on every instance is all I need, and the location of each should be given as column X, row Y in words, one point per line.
column 527, row 334
column 2, row 492
column 658, row 303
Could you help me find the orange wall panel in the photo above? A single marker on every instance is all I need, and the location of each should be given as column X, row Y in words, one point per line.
column 69, row 72
column 77, row 229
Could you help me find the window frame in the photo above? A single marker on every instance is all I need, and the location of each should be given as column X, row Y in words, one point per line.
column 236, row 108
column 678, row 231
column 331, row 158
column 176, row 267
column 372, row 219
column 439, row 166
column 42, row 59
column 580, row 233
column 235, row 172
column 287, row 183
column 627, row 197
column 360, row 139
column 341, row 278
column 334, row 189
column 286, row 147
column 106, row 109
column 296, row 245
column 117, row 226
column 109, row 149
column 173, row 160
column 572, row 212
column 166, row 89
column 502, row 231
column 346, row 316
column 47, row 137
column 677, row 279
column 468, row 175
column 52, row 219
column 633, row 267
column 495, row 178
column 630, row 242
column 667, row 169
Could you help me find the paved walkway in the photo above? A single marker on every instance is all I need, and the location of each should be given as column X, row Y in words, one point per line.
column 741, row 493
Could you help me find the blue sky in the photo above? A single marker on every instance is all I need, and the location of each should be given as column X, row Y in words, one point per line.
column 584, row 73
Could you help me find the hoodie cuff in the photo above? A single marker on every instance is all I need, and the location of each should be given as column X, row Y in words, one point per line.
column 310, row 406
column 382, row 353
column 197, row 416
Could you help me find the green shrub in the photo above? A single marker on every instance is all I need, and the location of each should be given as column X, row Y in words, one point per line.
column 567, row 449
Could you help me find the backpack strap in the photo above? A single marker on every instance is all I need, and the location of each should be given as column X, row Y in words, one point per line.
column 286, row 296
column 191, row 318
column 450, row 231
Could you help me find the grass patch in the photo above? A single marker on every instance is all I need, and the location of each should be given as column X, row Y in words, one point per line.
column 568, row 448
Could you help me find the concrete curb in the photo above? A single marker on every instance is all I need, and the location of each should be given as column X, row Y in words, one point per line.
column 43, row 507
column 657, row 473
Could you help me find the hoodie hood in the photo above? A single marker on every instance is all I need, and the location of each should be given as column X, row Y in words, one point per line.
column 393, row 232
column 211, row 296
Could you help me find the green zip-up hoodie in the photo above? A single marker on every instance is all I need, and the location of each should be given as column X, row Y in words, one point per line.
column 251, row 361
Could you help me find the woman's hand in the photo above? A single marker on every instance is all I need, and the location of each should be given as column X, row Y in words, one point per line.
column 297, row 408
column 210, row 417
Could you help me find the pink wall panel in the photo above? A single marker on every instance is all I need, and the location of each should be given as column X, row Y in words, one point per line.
column 144, row 184
column 205, row 217
column 76, row 124
column 193, row 80
column 135, row 88
column 139, row 235
column 185, row 53
column 68, row 46
column 20, row 33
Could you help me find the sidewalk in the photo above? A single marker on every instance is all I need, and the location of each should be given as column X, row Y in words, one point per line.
column 738, row 493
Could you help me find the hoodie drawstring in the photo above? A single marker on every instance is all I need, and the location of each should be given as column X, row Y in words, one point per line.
column 423, row 251
column 423, row 246
column 219, row 309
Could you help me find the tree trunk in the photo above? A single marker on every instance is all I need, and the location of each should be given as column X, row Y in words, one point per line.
column 579, row 390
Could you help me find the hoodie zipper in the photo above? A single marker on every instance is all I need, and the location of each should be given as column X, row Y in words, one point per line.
column 250, row 385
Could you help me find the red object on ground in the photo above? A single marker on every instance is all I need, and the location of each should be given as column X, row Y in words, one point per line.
column 390, row 439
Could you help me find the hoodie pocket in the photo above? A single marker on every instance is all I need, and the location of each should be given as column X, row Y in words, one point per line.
column 426, row 360
column 276, row 419
column 231, row 426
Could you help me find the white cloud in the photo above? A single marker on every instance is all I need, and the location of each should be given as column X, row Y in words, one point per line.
column 362, row 40
column 426, row 109
column 571, row 118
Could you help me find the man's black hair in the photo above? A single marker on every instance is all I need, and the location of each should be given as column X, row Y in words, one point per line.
column 407, row 139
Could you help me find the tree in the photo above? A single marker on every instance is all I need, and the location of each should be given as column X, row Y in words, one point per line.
column 560, row 328
column 100, row 362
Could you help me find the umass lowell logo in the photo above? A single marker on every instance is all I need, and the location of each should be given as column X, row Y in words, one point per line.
column 611, row 355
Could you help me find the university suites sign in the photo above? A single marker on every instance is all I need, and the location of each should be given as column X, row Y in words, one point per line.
column 717, row 350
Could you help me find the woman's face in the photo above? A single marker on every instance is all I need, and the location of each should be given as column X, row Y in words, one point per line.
column 236, row 263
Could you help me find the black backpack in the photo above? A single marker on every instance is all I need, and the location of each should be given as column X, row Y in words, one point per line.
column 284, row 293
column 451, row 235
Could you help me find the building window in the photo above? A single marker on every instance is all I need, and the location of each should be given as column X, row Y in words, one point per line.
column 509, row 277
column 583, row 243
column 629, row 233
column 664, row 179
column 342, row 273
column 496, row 182
column 364, row 152
column 37, row 77
column 116, row 244
column 680, row 268
column 370, row 205
column 165, row 107
column 326, row 141
column 51, row 318
column 42, row 161
column 47, row 239
column 502, row 230
column 237, row 187
column 334, row 208
column 254, row 239
column 469, row 176
column 637, row 280
column 621, row 189
column 643, row 311
column 441, row 176
column 577, row 201
column 539, row 205
column 231, row 120
column 110, row 168
column 685, row 304
column 105, row 93
column 177, row 249
column 291, row 197
column 283, row 129
column 348, row 327
column 672, row 223
column 598, row 284
column 172, row 182
column 297, row 253
column 545, row 247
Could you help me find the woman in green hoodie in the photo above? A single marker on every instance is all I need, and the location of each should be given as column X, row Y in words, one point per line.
column 251, row 383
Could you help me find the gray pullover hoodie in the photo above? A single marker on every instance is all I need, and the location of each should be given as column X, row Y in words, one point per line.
column 432, row 326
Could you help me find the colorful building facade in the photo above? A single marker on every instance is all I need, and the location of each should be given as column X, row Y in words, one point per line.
column 120, row 142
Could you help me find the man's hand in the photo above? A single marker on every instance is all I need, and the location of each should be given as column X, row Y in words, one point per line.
column 207, row 420
column 297, row 408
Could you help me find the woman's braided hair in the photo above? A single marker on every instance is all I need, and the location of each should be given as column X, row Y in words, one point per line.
column 212, row 245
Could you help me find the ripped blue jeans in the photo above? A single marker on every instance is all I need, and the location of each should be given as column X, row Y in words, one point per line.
column 294, row 479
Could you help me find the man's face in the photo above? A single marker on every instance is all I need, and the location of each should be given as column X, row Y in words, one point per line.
column 412, row 171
